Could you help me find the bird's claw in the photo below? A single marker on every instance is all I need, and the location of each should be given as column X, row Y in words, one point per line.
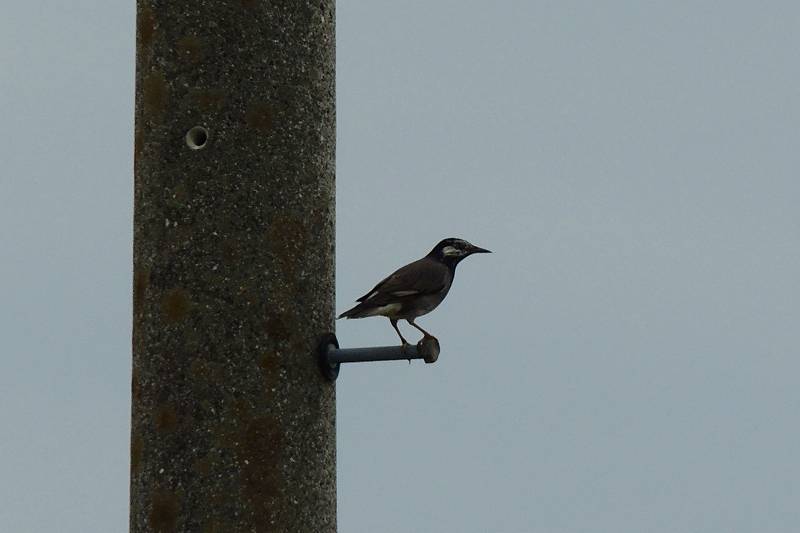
column 405, row 349
column 427, row 339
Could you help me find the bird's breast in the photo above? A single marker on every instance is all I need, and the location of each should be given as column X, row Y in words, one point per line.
column 422, row 305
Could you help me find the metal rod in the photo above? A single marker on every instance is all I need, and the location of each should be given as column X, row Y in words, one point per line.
column 331, row 357
column 375, row 353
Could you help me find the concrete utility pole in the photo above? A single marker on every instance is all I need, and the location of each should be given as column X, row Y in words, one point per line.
column 233, row 422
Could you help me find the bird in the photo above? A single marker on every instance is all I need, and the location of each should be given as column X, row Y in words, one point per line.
column 417, row 288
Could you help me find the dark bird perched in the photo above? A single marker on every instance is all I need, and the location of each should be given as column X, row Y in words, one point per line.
column 417, row 288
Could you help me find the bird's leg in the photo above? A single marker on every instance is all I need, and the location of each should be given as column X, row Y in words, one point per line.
column 405, row 342
column 394, row 325
column 427, row 335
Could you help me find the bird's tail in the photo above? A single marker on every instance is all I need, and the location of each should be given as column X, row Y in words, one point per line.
column 356, row 312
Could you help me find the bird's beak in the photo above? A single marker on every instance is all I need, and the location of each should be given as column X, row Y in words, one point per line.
column 479, row 250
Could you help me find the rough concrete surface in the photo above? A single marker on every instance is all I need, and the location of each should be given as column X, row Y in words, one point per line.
column 233, row 425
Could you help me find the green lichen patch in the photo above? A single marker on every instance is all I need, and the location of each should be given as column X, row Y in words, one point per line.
column 176, row 305
column 155, row 93
column 137, row 448
column 259, row 116
column 141, row 279
column 146, row 24
column 165, row 418
column 261, row 444
column 190, row 49
column 164, row 509
column 206, row 99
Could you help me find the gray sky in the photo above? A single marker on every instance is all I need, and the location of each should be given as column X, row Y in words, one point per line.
column 626, row 361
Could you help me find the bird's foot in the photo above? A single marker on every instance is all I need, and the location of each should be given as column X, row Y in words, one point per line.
column 406, row 349
column 427, row 340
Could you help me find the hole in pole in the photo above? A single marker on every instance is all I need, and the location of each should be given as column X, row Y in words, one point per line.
column 196, row 138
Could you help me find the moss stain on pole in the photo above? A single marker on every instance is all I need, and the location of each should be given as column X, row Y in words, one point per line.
column 233, row 426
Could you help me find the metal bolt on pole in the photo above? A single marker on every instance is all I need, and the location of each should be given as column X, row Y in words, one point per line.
column 233, row 427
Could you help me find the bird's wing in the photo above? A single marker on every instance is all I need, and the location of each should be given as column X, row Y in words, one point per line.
column 424, row 276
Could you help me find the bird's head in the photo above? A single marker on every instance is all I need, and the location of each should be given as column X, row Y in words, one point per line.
column 451, row 251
